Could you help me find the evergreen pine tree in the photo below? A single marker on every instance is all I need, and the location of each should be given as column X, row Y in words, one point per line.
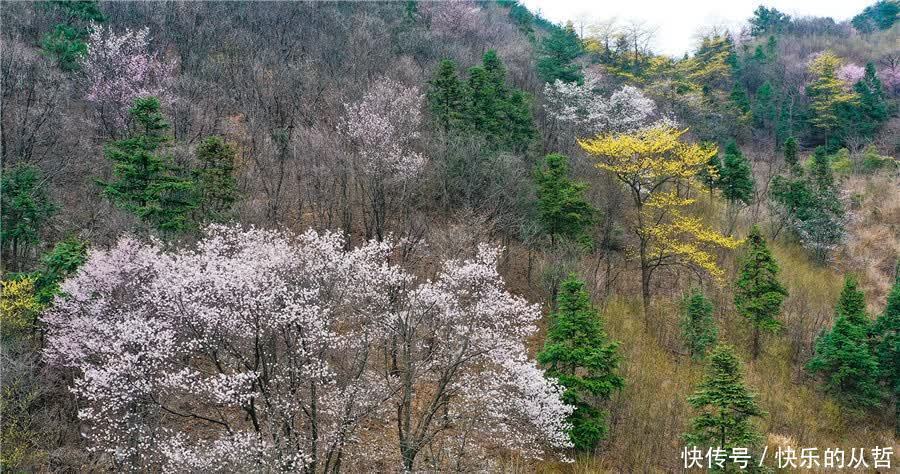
column 772, row 46
column 790, row 154
column 557, row 52
column 499, row 113
column 519, row 121
column 67, row 42
column 562, row 209
column 872, row 110
column 764, row 106
column 886, row 344
column 821, row 172
column 759, row 55
column 726, row 406
column 698, row 329
column 496, row 71
column 735, row 176
column 822, row 220
column 446, row 96
column 758, row 294
column 879, row 16
column 215, row 184
column 65, row 257
column 482, row 103
column 784, row 127
column 578, row 353
column 739, row 98
column 768, row 20
column 842, row 356
column 26, row 209
column 146, row 183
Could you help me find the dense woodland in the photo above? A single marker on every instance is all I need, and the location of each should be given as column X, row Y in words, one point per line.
column 442, row 236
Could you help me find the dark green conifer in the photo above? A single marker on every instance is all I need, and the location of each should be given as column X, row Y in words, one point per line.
column 698, row 329
column 26, row 210
column 214, row 179
column 67, row 42
column 735, row 176
column 447, row 96
column 558, row 52
column 886, row 343
column 758, row 294
column 791, row 154
column 562, row 209
column 579, row 354
column 842, row 356
column 726, row 406
column 145, row 182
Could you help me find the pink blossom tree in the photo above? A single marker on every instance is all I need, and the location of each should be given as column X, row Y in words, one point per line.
column 851, row 74
column 382, row 129
column 119, row 68
column 890, row 77
column 264, row 350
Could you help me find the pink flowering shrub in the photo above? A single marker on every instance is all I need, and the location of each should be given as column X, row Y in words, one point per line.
column 851, row 74
column 120, row 68
column 264, row 350
column 890, row 78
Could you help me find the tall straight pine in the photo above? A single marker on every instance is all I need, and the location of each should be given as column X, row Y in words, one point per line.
column 579, row 354
column 758, row 293
column 726, row 406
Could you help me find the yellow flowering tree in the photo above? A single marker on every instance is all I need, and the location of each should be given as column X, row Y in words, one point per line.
column 18, row 305
column 20, row 395
column 656, row 167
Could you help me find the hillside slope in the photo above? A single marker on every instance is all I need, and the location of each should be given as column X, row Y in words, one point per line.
column 420, row 131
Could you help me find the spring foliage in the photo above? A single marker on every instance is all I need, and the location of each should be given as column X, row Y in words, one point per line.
column 121, row 67
column 384, row 127
column 587, row 112
column 289, row 352
column 649, row 162
column 18, row 305
column 827, row 92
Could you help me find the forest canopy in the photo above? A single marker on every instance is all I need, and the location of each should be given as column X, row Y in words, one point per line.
column 445, row 236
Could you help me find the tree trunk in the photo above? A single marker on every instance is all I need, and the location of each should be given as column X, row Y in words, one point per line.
column 645, row 281
column 409, row 458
